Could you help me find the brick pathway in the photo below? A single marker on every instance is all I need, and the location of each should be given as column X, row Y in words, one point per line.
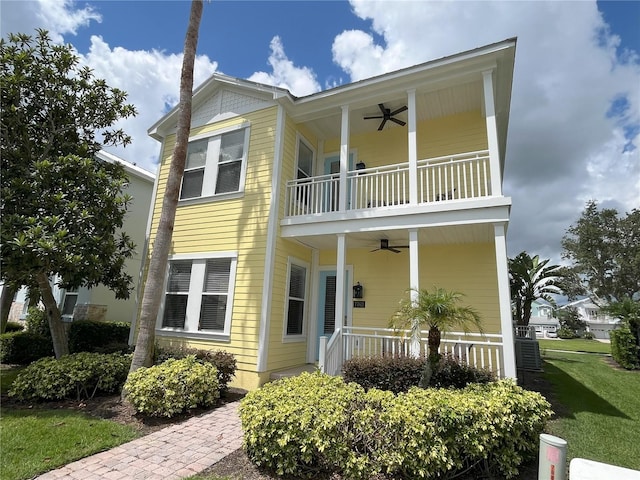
column 174, row 452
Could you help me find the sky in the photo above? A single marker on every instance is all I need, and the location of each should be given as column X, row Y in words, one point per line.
column 574, row 131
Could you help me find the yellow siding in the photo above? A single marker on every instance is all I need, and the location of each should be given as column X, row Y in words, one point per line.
column 464, row 132
column 238, row 224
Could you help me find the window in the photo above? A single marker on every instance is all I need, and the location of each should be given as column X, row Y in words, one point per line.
column 215, row 165
column 296, row 298
column 69, row 302
column 199, row 294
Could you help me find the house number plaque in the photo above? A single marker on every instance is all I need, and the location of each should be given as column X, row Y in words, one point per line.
column 358, row 304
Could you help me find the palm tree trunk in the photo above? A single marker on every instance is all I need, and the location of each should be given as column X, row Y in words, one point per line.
column 8, row 292
column 143, row 354
column 434, row 345
column 58, row 332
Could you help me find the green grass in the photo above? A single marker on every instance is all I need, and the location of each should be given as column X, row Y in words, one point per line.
column 575, row 345
column 7, row 376
column 602, row 408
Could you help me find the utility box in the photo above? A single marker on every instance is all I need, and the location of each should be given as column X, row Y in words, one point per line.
column 552, row 463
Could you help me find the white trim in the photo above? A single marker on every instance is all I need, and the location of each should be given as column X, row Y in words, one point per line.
column 313, row 305
column 492, row 133
column 305, row 314
column 220, row 131
column 413, row 147
column 341, row 265
column 203, row 256
column 270, row 249
column 344, row 158
column 504, row 299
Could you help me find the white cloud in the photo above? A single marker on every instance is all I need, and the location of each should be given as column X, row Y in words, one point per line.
column 151, row 80
column 299, row 81
column 563, row 146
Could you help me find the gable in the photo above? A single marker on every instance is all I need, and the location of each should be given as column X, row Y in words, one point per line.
column 226, row 103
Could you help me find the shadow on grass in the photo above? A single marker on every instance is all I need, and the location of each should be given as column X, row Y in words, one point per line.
column 574, row 395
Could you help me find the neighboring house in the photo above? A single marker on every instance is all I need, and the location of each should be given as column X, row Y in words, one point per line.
column 542, row 319
column 99, row 302
column 302, row 221
column 598, row 322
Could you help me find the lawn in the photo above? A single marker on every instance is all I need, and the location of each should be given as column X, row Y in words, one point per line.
column 575, row 345
column 36, row 440
column 602, row 409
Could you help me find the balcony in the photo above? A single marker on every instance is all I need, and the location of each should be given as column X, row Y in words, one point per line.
column 463, row 176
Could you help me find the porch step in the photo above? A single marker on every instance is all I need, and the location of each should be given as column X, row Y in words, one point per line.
column 293, row 372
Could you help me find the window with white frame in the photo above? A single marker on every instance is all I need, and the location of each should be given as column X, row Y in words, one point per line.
column 69, row 302
column 296, row 298
column 215, row 165
column 199, row 294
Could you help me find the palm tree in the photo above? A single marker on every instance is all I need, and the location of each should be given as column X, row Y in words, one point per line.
column 437, row 310
column 152, row 296
column 531, row 279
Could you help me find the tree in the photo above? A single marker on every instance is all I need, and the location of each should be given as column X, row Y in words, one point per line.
column 627, row 310
column 60, row 207
column 437, row 310
column 604, row 249
column 531, row 279
column 569, row 319
column 143, row 354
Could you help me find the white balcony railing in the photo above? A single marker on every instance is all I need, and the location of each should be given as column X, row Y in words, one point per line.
column 474, row 349
column 455, row 177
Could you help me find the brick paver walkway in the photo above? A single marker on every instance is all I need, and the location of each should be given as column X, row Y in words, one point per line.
column 174, row 452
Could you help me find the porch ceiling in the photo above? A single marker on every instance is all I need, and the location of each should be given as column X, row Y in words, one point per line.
column 455, row 234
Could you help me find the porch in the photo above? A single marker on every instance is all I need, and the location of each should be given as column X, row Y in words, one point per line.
column 473, row 349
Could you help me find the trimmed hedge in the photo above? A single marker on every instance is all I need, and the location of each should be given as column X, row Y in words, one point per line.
column 624, row 349
column 224, row 361
column 314, row 422
column 80, row 376
column 399, row 373
column 24, row 347
column 13, row 327
column 172, row 387
column 99, row 337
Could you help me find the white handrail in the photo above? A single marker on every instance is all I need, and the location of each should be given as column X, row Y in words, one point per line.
column 330, row 355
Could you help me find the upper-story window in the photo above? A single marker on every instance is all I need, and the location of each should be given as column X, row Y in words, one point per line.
column 215, row 165
column 305, row 159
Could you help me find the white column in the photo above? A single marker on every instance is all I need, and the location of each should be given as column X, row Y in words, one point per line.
column 313, row 311
column 344, row 158
column 341, row 265
column 414, row 282
column 492, row 134
column 413, row 148
column 504, row 297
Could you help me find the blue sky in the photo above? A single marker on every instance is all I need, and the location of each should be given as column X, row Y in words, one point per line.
column 575, row 114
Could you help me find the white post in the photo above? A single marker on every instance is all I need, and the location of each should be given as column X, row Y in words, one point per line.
column 414, row 283
column 322, row 354
column 492, row 134
column 344, row 158
column 413, row 147
column 341, row 265
column 504, row 297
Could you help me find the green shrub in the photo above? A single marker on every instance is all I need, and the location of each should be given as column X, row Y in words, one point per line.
column 314, row 422
column 173, row 387
column 224, row 361
column 80, row 376
column 624, row 349
column 13, row 327
column 451, row 373
column 24, row 347
column 566, row 333
column 101, row 337
column 37, row 322
column 389, row 372
column 588, row 336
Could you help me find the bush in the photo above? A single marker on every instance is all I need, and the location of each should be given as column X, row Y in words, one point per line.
column 100, row 337
column 588, row 336
column 451, row 373
column 24, row 347
column 224, row 361
column 624, row 349
column 79, row 376
column 173, row 387
column 566, row 334
column 13, row 327
column 315, row 422
column 390, row 372
column 37, row 322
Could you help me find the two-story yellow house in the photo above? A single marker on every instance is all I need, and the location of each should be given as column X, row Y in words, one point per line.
column 302, row 221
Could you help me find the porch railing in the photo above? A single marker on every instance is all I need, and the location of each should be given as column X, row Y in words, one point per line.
column 330, row 357
column 454, row 177
column 473, row 349
column 522, row 331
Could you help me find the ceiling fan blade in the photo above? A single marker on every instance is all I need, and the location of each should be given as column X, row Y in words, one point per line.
column 400, row 110
column 399, row 122
column 382, row 109
column 382, row 124
column 391, row 249
column 375, row 250
column 369, row 118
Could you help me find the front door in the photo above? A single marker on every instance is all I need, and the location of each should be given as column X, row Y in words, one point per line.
column 332, row 167
column 327, row 304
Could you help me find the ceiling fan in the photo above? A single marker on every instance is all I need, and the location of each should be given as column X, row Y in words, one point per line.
column 384, row 245
column 387, row 114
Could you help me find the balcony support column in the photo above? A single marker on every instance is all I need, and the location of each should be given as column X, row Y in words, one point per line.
column 504, row 298
column 414, row 283
column 413, row 147
column 341, row 266
column 344, row 158
column 492, row 133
